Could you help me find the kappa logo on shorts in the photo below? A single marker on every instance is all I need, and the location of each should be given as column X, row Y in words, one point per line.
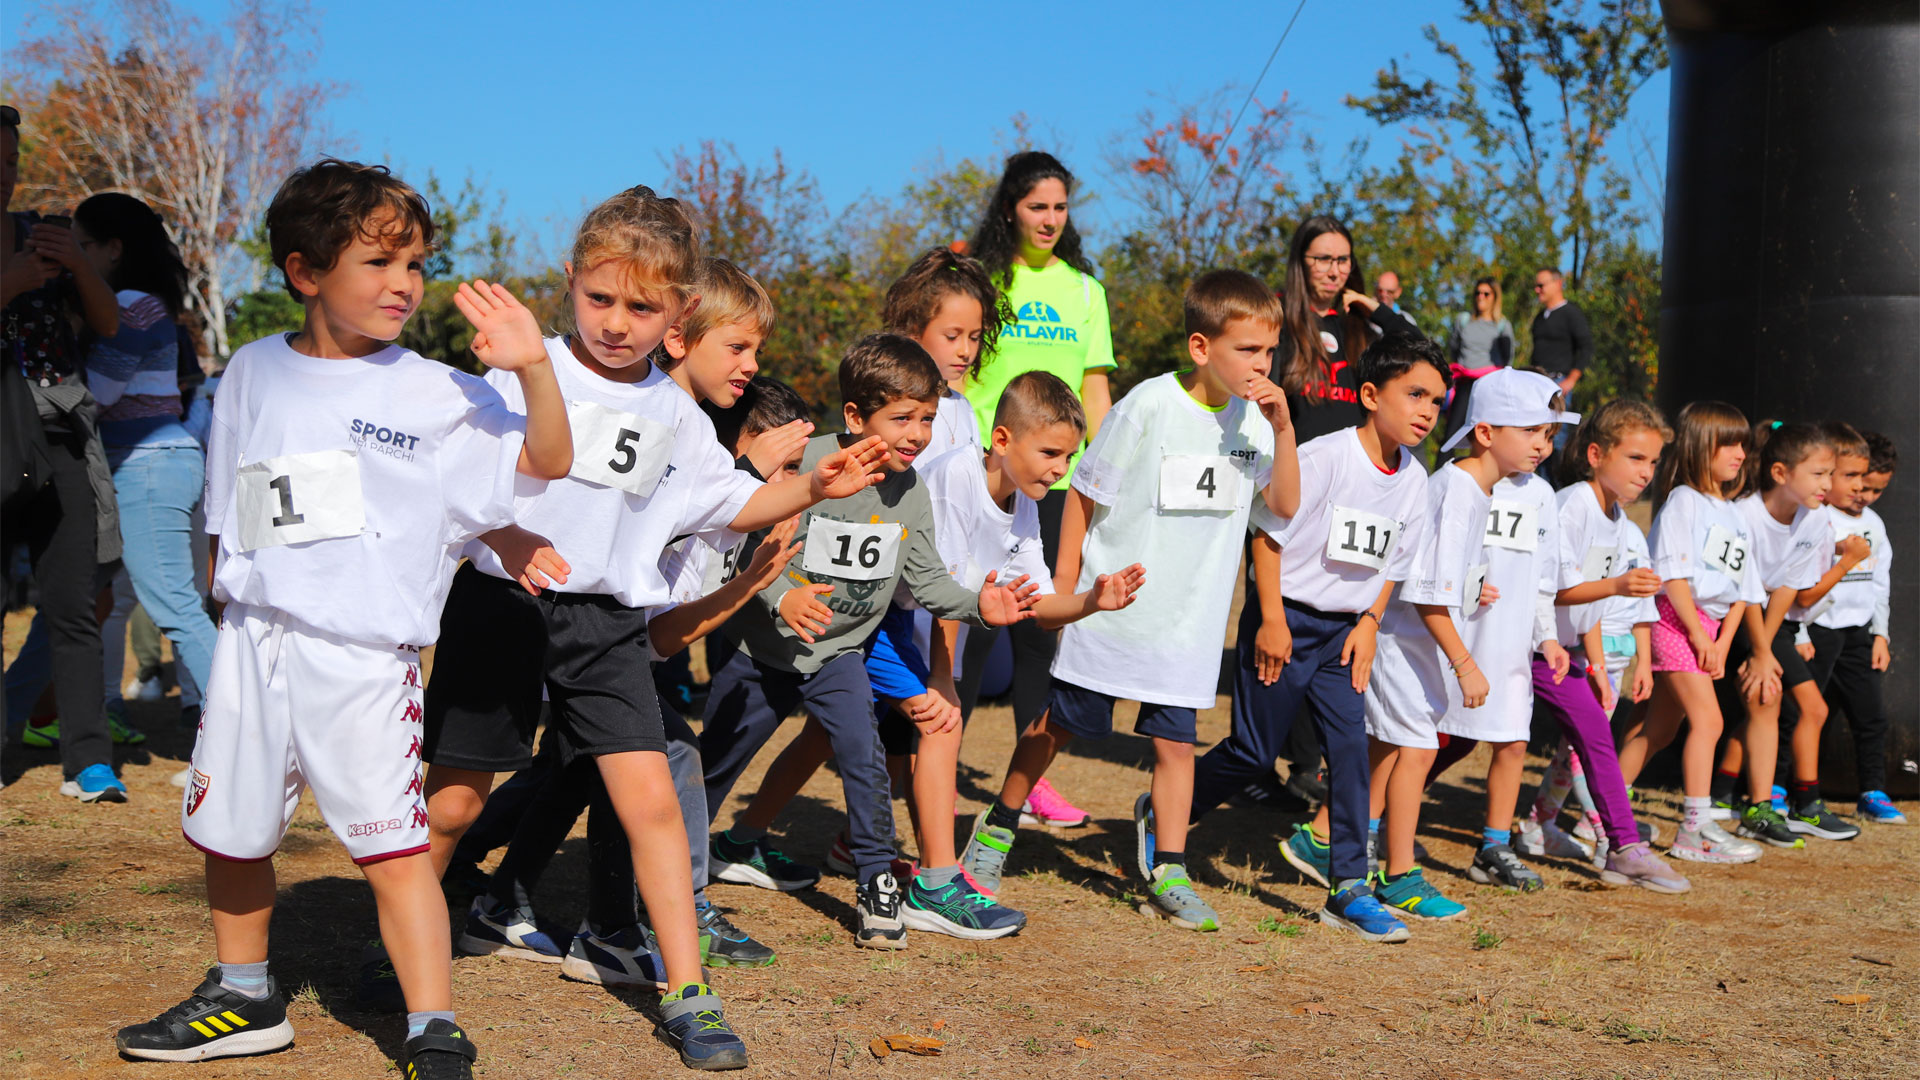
column 419, row 817
column 197, row 791
column 412, row 677
column 413, row 786
column 374, row 828
column 416, row 749
column 411, row 713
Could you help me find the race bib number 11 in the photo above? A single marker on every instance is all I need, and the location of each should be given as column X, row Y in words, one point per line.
column 296, row 498
column 840, row 549
column 1360, row 538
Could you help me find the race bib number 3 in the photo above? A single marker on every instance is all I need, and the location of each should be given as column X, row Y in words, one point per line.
column 840, row 549
column 1726, row 551
column 616, row 449
column 299, row 497
column 1360, row 538
column 1199, row 482
column 1598, row 564
column 1513, row 526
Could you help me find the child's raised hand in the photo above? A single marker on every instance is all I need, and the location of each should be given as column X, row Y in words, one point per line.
column 1004, row 605
column 770, row 450
column 776, row 550
column 528, row 557
column 850, row 470
column 804, row 613
column 507, row 335
column 1272, row 402
column 1111, row 592
column 1272, row 648
column 1490, row 593
column 1882, row 656
column 1853, row 549
column 1639, row 581
column 1557, row 660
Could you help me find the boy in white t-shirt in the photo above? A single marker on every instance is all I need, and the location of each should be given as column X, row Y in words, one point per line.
column 1169, row 480
column 337, row 459
column 1323, row 578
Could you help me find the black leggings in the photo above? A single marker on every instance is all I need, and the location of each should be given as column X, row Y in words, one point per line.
column 1033, row 647
column 1843, row 669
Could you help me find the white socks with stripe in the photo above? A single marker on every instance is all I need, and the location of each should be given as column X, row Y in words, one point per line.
column 247, row 980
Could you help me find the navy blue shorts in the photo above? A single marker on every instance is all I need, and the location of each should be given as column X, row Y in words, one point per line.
column 1088, row 714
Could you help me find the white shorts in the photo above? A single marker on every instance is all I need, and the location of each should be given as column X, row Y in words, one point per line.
column 292, row 707
column 1406, row 694
column 1507, row 714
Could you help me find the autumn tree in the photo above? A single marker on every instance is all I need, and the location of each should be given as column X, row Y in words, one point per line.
column 201, row 124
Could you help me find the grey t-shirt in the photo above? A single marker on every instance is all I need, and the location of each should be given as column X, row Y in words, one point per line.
column 1475, row 343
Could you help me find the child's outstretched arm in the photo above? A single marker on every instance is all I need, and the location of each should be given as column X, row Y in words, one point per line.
column 507, row 337
column 1073, row 533
column 1638, row 582
column 1110, row 592
column 1283, row 490
column 844, row 472
column 1849, row 553
column 678, row 627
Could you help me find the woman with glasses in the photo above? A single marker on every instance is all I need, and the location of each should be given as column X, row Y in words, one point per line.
column 1330, row 321
column 1477, row 343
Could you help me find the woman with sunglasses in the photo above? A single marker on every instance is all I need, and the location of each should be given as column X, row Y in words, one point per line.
column 1330, row 321
column 1477, row 342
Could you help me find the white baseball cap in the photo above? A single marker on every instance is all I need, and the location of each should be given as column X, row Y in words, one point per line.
column 1511, row 397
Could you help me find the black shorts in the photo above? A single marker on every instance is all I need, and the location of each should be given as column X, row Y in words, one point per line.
column 499, row 647
column 1793, row 669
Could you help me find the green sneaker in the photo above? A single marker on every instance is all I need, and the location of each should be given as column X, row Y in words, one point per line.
column 41, row 737
column 1763, row 823
column 959, row 910
column 1412, row 894
column 1308, row 855
column 1174, row 900
column 123, row 735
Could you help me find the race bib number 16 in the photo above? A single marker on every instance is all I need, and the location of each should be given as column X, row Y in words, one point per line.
column 1360, row 538
column 841, row 549
column 296, row 498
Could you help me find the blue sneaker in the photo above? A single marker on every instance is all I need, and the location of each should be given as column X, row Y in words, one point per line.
column 1309, row 856
column 1874, row 806
column 1412, row 894
column 957, row 909
column 696, row 1025
column 1778, row 796
column 1143, row 834
column 1355, row 909
column 505, row 931
column 96, row 783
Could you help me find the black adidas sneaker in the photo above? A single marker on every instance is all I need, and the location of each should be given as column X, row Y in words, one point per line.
column 441, row 1052
column 214, row 1022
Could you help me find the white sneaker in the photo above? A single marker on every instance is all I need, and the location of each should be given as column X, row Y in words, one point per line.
column 1718, row 835
column 1704, row 847
column 144, row 690
column 1548, row 838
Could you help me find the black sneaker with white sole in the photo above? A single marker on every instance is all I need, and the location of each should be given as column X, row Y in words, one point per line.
column 881, row 926
column 1498, row 865
column 215, row 1022
column 1814, row 819
column 441, row 1052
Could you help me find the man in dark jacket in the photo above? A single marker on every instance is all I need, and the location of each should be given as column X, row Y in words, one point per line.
column 1562, row 342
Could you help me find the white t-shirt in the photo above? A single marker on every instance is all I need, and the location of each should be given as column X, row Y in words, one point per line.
column 1706, row 542
column 1862, row 597
column 974, row 536
column 1620, row 614
column 1785, row 555
column 1412, row 686
column 1370, row 519
column 1521, row 548
column 1172, row 482
column 343, row 490
column 954, row 428
column 647, row 469
column 1595, row 546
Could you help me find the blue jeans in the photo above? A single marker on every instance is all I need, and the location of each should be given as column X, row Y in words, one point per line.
column 158, row 491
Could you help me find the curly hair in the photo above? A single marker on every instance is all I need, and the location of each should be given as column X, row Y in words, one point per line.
column 996, row 240
column 914, row 299
column 323, row 208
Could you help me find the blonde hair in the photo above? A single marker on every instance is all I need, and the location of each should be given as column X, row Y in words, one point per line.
column 1703, row 427
column 654, row 238
column 1473, row 306
column 728, row 295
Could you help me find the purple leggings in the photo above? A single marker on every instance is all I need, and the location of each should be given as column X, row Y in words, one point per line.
column 1573, row 704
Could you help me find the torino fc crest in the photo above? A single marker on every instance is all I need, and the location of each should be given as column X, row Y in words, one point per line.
column 196, row 791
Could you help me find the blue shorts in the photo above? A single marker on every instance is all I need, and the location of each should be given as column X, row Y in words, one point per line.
column 1088, row 714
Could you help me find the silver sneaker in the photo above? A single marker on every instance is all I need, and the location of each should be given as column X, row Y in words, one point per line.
column 1639, row 866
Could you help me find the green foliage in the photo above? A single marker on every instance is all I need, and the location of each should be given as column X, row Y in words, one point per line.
column 267, row 311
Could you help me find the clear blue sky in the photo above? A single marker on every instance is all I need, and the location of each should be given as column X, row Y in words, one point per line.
column 557, row 104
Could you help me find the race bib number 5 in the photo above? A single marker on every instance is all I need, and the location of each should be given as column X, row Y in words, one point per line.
column 1360, row 538
column 1726, row 551
column 840, row 549
column 1199, row 482
column 1512, row 525
column 296, row 498
column 616, row 449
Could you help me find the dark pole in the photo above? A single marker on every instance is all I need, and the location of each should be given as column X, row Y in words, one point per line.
column 1791, row 261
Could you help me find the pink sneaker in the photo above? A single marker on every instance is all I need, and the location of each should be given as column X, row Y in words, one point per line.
column 1048, row 807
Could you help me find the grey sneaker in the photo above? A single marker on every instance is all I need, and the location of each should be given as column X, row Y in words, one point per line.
column 985, row 857
column 1173, row 899
column 1498, row 865
column 1638, row 865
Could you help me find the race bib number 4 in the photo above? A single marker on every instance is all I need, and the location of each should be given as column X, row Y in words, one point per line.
column 299, row 497
column 1199, row 482
column 616, row 449
column 840, row 549
column 1360, row 538
column 1598, row 564
column 1513, row 526
column 1726, row 551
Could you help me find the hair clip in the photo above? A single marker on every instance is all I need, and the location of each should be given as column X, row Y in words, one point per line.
column 1776, row 425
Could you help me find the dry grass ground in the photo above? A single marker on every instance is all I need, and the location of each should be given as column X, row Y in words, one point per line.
column 105, row 923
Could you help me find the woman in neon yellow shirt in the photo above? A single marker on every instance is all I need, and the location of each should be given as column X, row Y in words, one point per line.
column 1029, row 246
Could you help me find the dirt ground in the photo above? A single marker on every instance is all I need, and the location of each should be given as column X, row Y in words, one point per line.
column 1800, row 965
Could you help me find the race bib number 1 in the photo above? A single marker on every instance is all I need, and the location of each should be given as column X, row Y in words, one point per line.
column 1199, row 482
column 1726, row 551
column 1476, row 583
column 616, row 449
column 840, row 549
column 1512, row 525
column 299, row 497
column 1360, row 538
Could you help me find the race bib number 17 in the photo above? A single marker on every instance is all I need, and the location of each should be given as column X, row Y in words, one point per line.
column 1360, row 538
column 296, row 498
column 1512, row 525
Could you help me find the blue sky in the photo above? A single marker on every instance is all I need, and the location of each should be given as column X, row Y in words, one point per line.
column 557, row 104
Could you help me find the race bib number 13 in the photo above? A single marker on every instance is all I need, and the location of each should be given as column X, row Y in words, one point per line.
column 1360, row 538
column 616, row 449
column 1199, row 482
column 1726, row 551
column 840, row 549
column 296, row 498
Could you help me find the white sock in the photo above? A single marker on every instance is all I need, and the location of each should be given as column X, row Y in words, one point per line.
column 1696, row 811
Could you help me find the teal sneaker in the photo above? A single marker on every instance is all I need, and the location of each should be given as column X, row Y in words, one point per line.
column 1173, row 899
column 985, row 857
column 1412, row 894
column 758, row 863
column 957, row 909
column 41, row 736
column 1309, row 856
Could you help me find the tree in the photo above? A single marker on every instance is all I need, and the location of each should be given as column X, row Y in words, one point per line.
column 201, row 125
